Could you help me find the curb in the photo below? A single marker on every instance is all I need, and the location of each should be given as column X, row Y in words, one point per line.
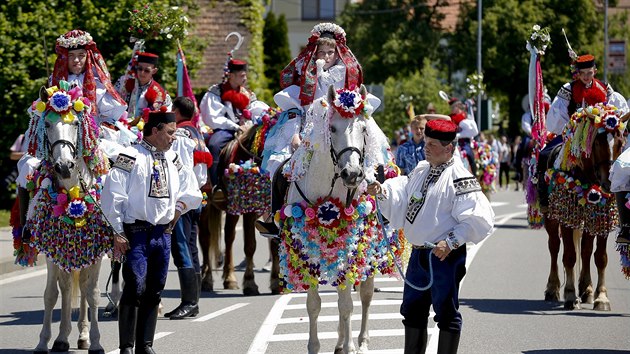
column 7, row 265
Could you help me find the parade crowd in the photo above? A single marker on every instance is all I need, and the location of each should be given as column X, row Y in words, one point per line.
column 164, row 155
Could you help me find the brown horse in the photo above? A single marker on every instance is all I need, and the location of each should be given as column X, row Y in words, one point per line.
column 239, row 149
column 581, row 208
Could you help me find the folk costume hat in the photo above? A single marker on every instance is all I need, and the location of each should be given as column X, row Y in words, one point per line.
column 149, row 58
column 440, row 129
column 94, row 65
column 306, row 79
column 585, row 61
column 236, row 65
column 154, row 118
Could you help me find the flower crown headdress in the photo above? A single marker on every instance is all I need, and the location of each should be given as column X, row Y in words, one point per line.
column 74, row 39
column 336, row 30
column 349, row 103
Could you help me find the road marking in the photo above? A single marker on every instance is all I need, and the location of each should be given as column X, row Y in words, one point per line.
column 287, row 337
column 220, row 312
column 28, row 275
column 355, row 303
column 334, row 318
column 156, row 337
column 260, row 343
column 498, row 204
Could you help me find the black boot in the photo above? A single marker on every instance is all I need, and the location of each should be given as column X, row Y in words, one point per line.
column 415, row 340
column 198, row 276
column 189, row 293
column 448, row 342
column 145, row 330
column 624, row 218
column 127, row 315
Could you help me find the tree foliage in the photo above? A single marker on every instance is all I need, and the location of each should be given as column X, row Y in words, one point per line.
column 277, row 51
column 506, row 26
column 418, row 88
column 391, row 37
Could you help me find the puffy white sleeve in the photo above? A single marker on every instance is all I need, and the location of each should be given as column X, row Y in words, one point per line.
column 212, row 112
column 26, row 165
column 475, row 218
column 617, row 100
column 114, row 198
column 526, row 123
column 393, row 202
column 189, row 192
column 109, row 110
column 468, row 129
column 558, row 115
column 257, row 108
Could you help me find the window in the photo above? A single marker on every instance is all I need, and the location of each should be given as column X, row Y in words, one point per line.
column 318, row 9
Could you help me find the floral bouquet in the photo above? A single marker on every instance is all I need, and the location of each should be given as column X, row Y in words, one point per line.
column 539, row 39
column 475, row 85
column 248, row 189
column 151, row 23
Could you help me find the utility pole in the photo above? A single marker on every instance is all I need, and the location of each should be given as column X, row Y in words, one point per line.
column 605, row 40
column 479, row 96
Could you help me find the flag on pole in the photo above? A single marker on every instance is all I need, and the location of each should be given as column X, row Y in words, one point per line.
column 183, row 82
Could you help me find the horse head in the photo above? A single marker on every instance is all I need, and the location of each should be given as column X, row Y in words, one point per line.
column 62, row 130
column 348, row 133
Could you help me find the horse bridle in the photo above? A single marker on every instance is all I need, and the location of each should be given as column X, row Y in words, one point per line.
column 336, row 156
column 61, row 142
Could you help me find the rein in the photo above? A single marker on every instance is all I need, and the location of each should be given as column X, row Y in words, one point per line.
column 62, row 142
column 256, row 158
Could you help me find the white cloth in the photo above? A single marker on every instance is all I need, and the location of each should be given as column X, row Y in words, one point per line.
column 468, row 129
column 526, row 123
column 109, row 110
column 127, row 195
column 454, row 203
column 217, row 115
column 558, row 114
column 620, row 173
column 185, row 146
column 137, row 101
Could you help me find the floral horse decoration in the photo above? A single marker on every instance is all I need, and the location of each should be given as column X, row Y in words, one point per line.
column 329, row 230
column 64, row 220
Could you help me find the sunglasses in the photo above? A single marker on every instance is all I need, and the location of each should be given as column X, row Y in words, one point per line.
column 146, row 70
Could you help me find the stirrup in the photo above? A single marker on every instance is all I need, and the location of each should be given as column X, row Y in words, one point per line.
column 267, row 229
column 218, row 196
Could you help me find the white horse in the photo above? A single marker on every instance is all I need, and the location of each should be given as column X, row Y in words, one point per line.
column 65, row 204
column 335, row 148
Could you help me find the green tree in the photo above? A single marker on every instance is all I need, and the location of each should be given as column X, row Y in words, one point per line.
column 506, row 26
column 418, row 88
column 277, row 52
column 392, row 37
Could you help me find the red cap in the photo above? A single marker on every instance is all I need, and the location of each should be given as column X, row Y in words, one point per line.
column 440, row 129
column 149, row 58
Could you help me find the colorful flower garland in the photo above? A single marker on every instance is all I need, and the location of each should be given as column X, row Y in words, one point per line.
column 58, row 224
column 248, row 189
column 326, row 243
column 349, row 103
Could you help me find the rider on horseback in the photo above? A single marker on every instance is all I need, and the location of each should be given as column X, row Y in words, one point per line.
column 227, row 108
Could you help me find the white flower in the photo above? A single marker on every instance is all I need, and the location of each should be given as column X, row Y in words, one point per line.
column 169, row 36
column 536, row 28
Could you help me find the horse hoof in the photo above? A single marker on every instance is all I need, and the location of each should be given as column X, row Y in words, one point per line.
column 552, row 296
column 275, row 292
column 230, row 285
column 40, row 352
column 60, row 347
column 96, row 351
column 587, row 298
column 572, row 305
column 83, row 344
column 251, row 292
column 207, row 287
column 601, row 306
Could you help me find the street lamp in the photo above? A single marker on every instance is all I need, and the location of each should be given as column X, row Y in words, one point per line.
column 479, row 5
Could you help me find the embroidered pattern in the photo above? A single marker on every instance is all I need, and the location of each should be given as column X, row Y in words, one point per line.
column 125, row 162
column 159, row 185
column 466, row 185
column 178, row 163
column 452, row 241
column 564, row 93
column 416, row 203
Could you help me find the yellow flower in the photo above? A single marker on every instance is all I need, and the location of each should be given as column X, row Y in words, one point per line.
column 79, row 105
column 73, row 193
column 40, row 106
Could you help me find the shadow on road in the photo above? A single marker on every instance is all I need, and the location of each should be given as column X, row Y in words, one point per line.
column 512, row 226
column 531, row 307
column 572, row 351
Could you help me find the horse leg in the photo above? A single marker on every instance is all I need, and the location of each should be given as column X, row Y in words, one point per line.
column 313, row 307
column 249, row 282
column 274, row 281
column 601, row 302
column 204, row 243
column 552, row 292
column 114, row 296
column 345, row 305
column 229, row 278
column 89, row 287
column 50, row 299
column 82, row 323
column 585, row 284
column 61, row 343
column 366, row 291
column 571, row 301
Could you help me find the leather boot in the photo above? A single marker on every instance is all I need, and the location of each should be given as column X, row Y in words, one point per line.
column 415, row 340
column 189, row 294
column 127, row 315
column 145, row 330
column 198, row 276
column 448, row 342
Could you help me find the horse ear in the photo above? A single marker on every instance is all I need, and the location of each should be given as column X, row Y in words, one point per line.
column 363, row 91
column 625, row 117
column 331, row 93
column 43, row 94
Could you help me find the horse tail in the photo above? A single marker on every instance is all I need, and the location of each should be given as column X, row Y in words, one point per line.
column 75, row 289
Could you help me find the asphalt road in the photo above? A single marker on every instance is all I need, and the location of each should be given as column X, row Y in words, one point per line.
column 501, row 302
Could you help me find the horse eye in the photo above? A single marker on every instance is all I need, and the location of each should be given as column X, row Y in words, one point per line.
column 333, row 129
column 76, row 123
column 47, row 124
